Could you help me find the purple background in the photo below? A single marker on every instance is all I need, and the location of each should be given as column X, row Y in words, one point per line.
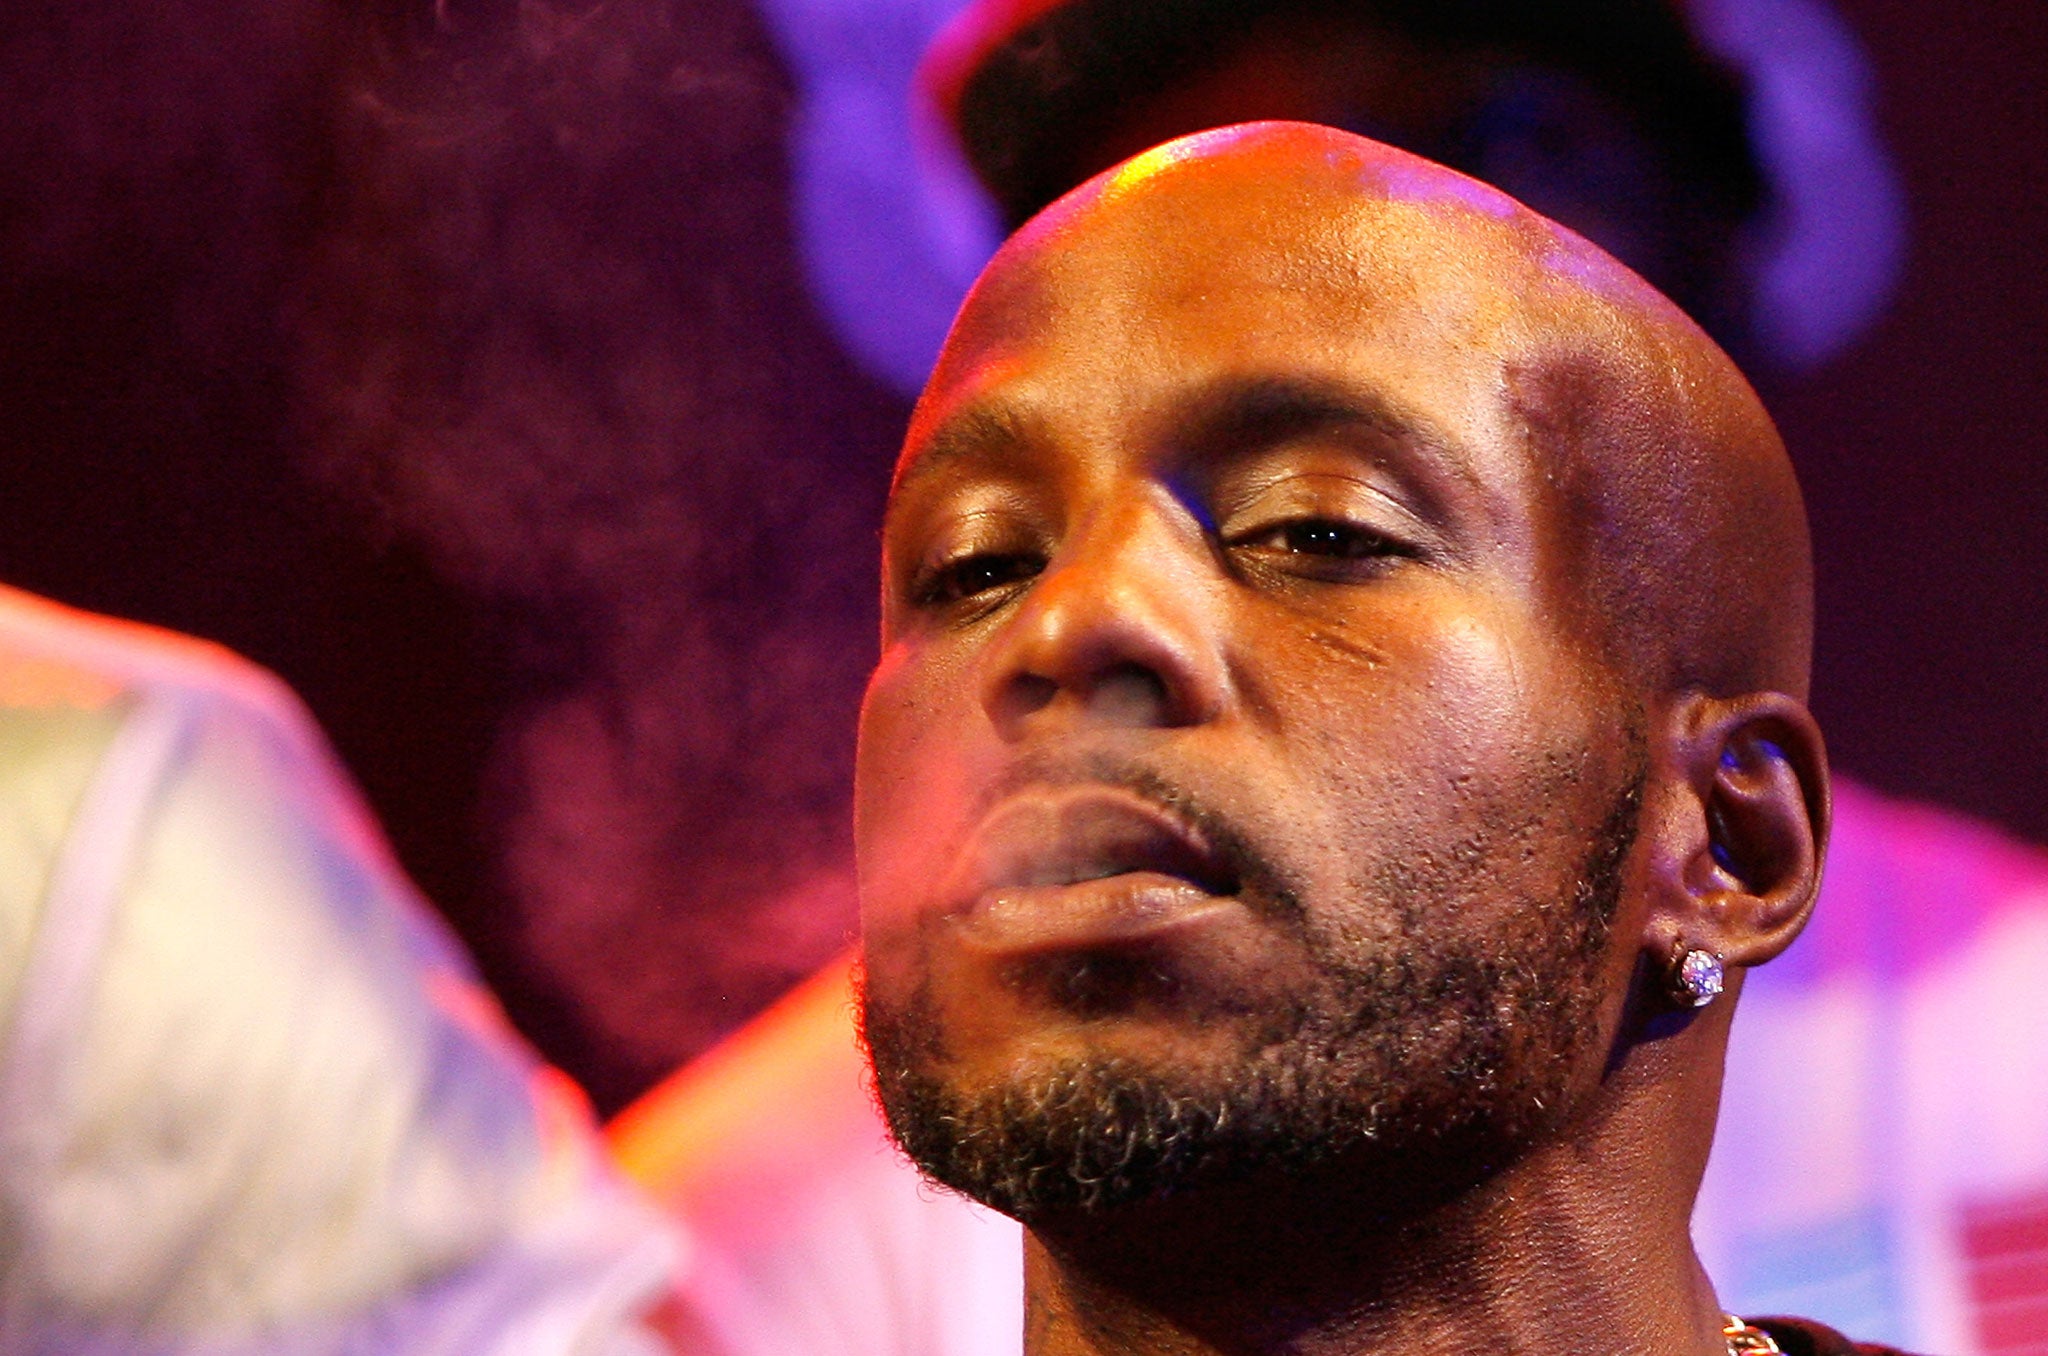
column 1924, row 452
column 575, row 569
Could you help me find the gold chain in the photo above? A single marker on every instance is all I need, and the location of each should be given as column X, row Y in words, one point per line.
column 1744, row 1340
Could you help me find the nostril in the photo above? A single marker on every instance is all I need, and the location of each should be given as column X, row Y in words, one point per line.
column 1129, row 694
column 1026, row 694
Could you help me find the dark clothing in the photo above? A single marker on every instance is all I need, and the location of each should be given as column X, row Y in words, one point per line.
column 1803, row 1337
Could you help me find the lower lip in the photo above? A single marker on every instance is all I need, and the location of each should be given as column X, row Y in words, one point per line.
column 1123, row 910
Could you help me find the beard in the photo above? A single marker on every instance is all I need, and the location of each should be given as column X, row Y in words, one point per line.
column 1401, row 1073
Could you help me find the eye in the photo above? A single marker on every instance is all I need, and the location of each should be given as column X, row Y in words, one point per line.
column 1327, row 537
column 971, row 576
column 1323, row 546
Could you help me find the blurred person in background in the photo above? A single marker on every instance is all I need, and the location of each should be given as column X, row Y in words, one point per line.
column 1725, row 151
column 253, row 1098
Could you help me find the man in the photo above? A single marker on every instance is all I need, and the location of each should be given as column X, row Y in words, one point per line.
column 1902, row 1203
column 1340, row 727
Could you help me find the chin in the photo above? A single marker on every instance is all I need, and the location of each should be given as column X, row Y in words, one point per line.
column 1099, row 1118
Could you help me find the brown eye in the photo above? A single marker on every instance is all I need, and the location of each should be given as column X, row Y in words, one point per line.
column 973, row 575
column 1324, row 537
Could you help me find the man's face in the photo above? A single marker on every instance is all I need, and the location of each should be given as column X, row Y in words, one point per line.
column 1229, row 781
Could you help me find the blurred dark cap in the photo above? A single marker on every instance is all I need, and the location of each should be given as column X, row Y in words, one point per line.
column 1031, row 87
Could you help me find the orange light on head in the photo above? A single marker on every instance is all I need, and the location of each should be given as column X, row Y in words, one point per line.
column 1146, row 166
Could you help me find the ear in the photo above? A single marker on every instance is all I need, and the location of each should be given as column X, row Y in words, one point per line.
column 1742, row 828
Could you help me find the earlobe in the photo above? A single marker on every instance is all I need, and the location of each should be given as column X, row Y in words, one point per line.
column 1748, row 831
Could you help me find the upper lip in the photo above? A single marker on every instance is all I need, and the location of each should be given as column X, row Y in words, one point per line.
column 1065, row 835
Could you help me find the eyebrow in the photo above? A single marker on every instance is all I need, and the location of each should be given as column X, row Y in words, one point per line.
column 1232, row 414
column 981, row 430
column 1250, row 412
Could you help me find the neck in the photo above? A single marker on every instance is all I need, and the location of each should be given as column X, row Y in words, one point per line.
column 1575, row 1246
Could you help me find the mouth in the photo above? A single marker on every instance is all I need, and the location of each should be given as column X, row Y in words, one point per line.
column 1086, row 868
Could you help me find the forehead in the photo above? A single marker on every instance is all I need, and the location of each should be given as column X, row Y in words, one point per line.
column 1120, row 308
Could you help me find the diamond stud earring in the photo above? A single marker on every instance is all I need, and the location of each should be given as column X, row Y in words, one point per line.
column 1697, row 977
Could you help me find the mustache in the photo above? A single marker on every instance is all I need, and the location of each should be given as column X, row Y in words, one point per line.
column 1263, row 882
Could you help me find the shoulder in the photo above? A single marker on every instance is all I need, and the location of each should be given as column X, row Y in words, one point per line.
column 53, row 656
column 1804, row 1337
column 96, row 718
column 137, row 764
column 232, row 1023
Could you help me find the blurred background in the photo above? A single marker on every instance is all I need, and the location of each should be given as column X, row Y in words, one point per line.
column 457, row 362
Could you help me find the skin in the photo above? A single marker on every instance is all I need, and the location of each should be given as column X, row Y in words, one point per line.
column 1286, row 476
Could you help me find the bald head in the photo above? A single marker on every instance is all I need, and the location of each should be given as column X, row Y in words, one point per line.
column 1660, row 513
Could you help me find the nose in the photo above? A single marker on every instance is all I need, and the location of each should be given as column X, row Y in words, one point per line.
column 1122, row 628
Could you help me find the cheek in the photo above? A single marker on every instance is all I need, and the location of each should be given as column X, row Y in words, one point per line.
column 1424, row 681
column 1497, row 694
column 911, row 784
column 1466, row 737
